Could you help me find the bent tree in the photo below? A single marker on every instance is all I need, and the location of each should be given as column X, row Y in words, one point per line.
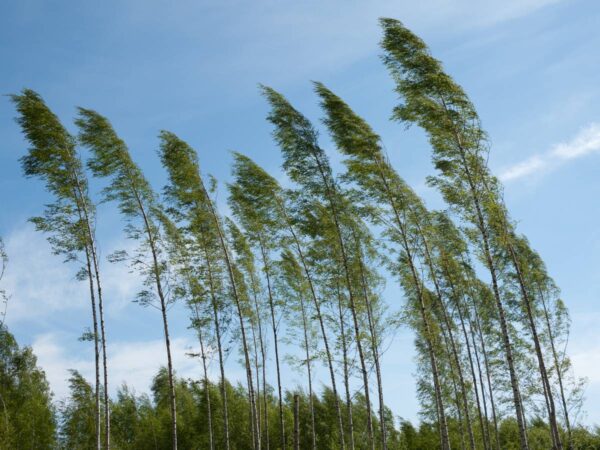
column 306, row 164
column 142, row 210
column 187, row 185
column 69, row 219
column 254, row 186
column 435, row 102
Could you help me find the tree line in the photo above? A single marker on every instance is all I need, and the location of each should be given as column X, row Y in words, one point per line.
column 305, row 266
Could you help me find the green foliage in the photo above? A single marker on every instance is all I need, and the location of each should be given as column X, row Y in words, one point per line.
column 27, row 415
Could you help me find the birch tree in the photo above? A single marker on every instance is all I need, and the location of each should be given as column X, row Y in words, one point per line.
column 187, row 185
column 142, row 210
column 69, row 220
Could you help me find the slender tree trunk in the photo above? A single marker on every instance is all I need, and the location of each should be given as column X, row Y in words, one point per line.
column 236, row 297
column 265, row 427
column 309, row 374
column 457, row 396
column 215, row 309
column 451, row 341
column 331, row 194
column 321, row 322
column 257, row 380
column 258, row 347
column 557, row 366
column 163, row 309
column 488, row 378
column 489, row 261
column 484, row 433
column 374, row 340
column 346, row 371
column 83, row 209
column 471, row 365
column 296, row 422
column 275, row 341
column 444, row 436
column 557, row 443
column 96, row 349
column 206, row 382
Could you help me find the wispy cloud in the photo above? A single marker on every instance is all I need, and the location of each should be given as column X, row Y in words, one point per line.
column 41, row 285
column 134, row 362
column 586, row 142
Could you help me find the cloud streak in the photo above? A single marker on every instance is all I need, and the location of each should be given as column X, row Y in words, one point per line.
column 586, row 142
column 134, row 362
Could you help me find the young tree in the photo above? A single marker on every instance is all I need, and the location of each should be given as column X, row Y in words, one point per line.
column 70, row 219
column 187, row 186
column 261, row 223
column 435, row 102
column 190, row 287
column 306, row 164
column 247, row 265
column 254, row 186
column 295, row 288
column 381, row 185
column 141, row 208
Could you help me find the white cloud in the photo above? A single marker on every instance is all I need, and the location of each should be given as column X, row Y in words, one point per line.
column 586, row 142
column 41, row 285
column 262, row 40
column 134, row 362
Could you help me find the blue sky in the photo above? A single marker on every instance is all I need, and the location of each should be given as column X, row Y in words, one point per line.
column 192, row 67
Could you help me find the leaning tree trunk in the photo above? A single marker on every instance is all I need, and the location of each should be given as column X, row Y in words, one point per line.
column 557, row 443
column 236, row 297
column 321, row 322
column 91, row 256
column 163, row 309
column 346, row 371
column 452, row 343
column 374, row 346
column 215, row 310
column 309, row 374
column 491, row 266
column 559, row 374
column 96, row 349
column 444, row 435
column 275, row 340
column 206, row 382
column 331, row 194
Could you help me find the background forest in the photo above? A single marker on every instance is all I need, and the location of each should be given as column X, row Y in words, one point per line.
column 314, row 269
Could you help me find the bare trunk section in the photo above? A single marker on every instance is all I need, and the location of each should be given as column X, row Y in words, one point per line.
column 296, row 422
column 91, row 253
column 489, row 261
column 346, row 371
column 215, row 309
column 484, row 433
column 331, row 193
column 489, row 380
column 374, row 340
column 451, row 340
column 163, row 309
column 556, row 441
column 557, row 366
column 321, row 322
column 96, row 349
column 206, row 382
column 265, row 419
column 275, row 340
column 309, row 374
column 444, row 435
column 262, row 415
column 238, row 304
